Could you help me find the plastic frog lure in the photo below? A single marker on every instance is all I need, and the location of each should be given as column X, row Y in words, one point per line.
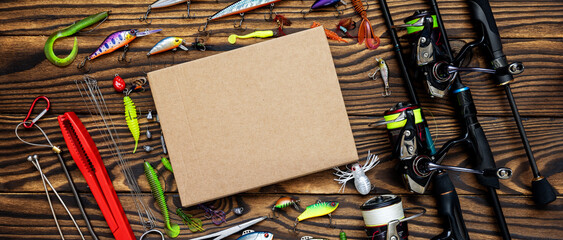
column 68, row 31
column 168, row 43
column 316, row 210
column 357, row 172
column 252, row 235
column 115, row 41
column 171, row 229
column 162, row 4
column 240, row 7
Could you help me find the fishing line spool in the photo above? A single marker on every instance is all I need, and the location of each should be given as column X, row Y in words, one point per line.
column 384, row 218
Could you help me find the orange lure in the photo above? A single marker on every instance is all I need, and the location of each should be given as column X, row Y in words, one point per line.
column 330, row 34
column 365, row 32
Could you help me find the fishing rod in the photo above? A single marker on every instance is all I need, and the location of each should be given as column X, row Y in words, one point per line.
column 431, row 49
column 542, row 191
column 416, row 139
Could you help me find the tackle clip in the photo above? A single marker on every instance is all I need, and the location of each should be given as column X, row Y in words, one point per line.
column 25, row 122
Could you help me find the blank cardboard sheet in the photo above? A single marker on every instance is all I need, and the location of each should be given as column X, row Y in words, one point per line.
column 253, row 116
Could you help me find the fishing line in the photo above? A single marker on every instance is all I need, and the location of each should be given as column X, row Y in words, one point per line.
column 99, row 111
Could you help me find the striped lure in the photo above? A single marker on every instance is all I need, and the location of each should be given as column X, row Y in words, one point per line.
column 241, row 6
column 117, row 40
column 317, row 210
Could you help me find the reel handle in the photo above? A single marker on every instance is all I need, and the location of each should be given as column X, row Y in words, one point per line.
column 449, row 209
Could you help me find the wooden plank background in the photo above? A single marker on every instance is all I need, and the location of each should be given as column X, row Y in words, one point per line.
column 530, row 34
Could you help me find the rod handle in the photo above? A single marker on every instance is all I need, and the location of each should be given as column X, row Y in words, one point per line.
column 542, row 191
column 449, row 209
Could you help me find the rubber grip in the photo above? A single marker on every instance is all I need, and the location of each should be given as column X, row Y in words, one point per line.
column 481, row 12
column 477, row 139
column 449, row 209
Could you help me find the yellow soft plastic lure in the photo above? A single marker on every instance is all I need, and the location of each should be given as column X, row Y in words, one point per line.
column 131, row 119
column 256, row 34
column 317, row 210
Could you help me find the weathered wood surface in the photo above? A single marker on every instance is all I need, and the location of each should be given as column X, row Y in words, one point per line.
column 530, row 35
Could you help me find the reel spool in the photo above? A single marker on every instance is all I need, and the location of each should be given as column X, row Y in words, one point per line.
column 384, row 218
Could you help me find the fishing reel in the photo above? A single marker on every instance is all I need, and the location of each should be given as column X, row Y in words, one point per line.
column 427, row 49
column 413, row 146
column 410, row 138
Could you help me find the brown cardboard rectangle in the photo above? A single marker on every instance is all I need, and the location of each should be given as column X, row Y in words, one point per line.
column 253, row 116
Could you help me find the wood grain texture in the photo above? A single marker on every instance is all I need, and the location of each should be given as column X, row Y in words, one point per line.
column 524, row 221
column 530, row 32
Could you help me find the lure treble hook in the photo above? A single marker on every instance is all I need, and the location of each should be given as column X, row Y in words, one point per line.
column 188, row 10
column 204, row 26
column 146, row 16
column 240, row 23
column 270, row 18
column 68, row 31
column 123, row 57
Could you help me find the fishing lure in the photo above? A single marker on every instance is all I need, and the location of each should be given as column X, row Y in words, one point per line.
column 256, row 34
column 366, row 31
column 162, row 4
column 316, row 210
column 166, row 164
column 252, row 235
column 345, row 25
column 325, row 3
column 342, row 235
column 361, row 181
column 131, row 119
column 240, row 7
column 216, row 216
column 384, row 71
column 329, row 34
column 171, row 229
column 68, row 31
column 312, row 238
column 281, row 21
column 193, row 223
column 168, row 43
column 115, row 41
column 284, row 202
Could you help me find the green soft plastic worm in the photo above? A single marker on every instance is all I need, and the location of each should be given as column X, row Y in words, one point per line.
column 70, row 30
column 167, row 164
column 171, row 229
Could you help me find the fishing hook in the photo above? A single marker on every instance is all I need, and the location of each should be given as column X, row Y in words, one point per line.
column 240, row 23
column 340, row 12
column 123, row 57
column 204, row 27
column 305, row 13
column 83, row 63
column 146, row 16
column 188, row 10
column 270, row 18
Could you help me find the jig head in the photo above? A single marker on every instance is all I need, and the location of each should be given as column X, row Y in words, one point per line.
column 68, row 31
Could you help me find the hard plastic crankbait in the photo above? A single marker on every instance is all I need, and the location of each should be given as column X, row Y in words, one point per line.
column 70, row 30
column 365, row 32
column 384, row 70
column 316, row 210
column 284, row 202
column 115, row 41
column 193, row 223
column 325, row 3
column 168, row 43
column 171, row 229
column 361, row 181
column 329, row 34
column 163, row 4
column 240, row 7
column 252, row 235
